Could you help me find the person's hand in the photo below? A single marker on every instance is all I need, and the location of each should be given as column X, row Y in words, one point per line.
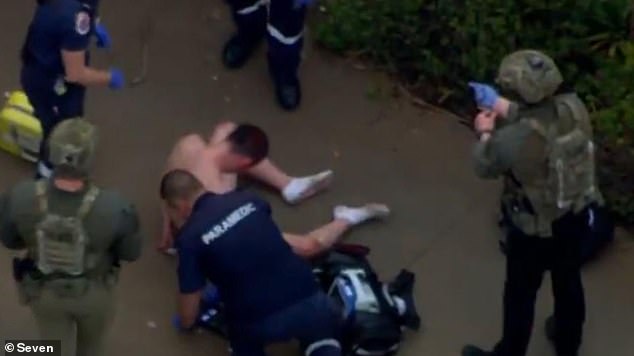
column 484, row 95
column 117, row 80
column 103, row 37
column 485, row 122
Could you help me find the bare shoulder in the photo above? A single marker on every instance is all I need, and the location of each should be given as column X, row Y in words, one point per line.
column 186, row 149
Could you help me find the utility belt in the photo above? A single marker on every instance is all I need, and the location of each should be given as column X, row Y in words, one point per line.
column 31, row 281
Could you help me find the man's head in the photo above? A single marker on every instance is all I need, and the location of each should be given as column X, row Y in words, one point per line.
column 72, row 148
column 179, row 190
column 243, row 148
column 529, row 74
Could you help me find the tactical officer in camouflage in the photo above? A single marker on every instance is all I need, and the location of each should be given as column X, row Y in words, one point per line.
column 75, row 235
column 544, row 152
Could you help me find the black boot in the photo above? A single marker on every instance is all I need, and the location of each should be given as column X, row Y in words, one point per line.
column 471, row 350
column 238, row 50
column 288, row 91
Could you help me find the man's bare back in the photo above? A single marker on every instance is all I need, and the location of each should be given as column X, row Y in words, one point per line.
column 195, row 155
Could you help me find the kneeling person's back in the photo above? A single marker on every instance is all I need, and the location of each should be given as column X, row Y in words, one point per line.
column 232, row 240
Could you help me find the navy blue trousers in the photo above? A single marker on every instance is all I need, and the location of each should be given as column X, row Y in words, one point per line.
column 283, row 24
column 313, row 321
column 50, row 106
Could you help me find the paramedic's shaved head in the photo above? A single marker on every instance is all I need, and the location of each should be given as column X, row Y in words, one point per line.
column 180, row 185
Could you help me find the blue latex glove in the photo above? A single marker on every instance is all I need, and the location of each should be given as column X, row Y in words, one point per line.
column 103, row 37
column 484, row 95
column 176, row 323
column 117, row 80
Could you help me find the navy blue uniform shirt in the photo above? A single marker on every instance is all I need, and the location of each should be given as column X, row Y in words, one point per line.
column 232, row 241
column 57, row 25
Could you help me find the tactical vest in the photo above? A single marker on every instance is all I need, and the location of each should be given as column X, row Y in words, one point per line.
column 61, row 249
column 566, row 182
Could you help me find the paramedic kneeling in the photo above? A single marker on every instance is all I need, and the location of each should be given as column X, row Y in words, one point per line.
column 270, row 293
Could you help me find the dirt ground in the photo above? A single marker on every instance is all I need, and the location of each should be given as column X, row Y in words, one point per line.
column 443, row 224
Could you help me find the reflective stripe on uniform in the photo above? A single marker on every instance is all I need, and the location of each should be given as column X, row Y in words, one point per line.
column 322, row 343
column 275, row 33
column 253, row 8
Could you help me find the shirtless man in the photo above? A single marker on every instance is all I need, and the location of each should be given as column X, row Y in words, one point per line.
column 242, row 149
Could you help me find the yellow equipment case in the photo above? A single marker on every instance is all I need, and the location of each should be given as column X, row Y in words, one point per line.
column 20, row 130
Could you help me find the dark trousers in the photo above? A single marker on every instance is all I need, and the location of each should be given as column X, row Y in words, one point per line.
column 528, row 257
column 313, row 321
column 50, row 107
column 283, row 24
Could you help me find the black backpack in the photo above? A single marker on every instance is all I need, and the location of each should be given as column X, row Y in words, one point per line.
column 375, row 329
column 372, row 324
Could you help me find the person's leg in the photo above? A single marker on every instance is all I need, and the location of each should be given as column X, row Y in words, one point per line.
column 241, row 343
column 319, row 327
column 286, row 40
column 95, row 316
column 525, row 270
column 46, row 114
column 323, row 238
column 293, row 189
column 57, row 108
column 250, row 19
column 524, row 273
column 567, row 285
column 54, row 323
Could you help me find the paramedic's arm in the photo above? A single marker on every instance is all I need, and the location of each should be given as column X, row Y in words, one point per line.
column 8, row 232
column 75, row 40
column 191, row 282
column 129, row 239
column 77, row 72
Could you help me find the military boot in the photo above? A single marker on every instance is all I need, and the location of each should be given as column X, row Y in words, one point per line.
column 551, row 334
column 238, row 50
column 471, row 350
column 287, row 90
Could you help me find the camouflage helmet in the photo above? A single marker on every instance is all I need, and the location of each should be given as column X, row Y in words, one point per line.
column 530, row 74
column 72, row 146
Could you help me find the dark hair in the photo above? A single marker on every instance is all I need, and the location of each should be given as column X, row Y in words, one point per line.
column 179, row 184
column 249, row 141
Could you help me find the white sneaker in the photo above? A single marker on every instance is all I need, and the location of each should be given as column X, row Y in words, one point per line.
column 358, row 215
column 302, row 188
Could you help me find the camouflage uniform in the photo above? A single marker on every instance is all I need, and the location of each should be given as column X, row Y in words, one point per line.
column 546, row 198
column 68, row 288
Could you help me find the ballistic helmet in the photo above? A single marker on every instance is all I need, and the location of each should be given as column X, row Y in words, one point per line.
column 72, row 146
column 530, row 74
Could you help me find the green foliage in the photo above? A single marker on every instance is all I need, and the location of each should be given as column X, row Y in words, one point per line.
column 436, row 46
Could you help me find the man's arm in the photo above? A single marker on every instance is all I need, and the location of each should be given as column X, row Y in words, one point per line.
column 496, row 154
column 8, row 231
column 129, row 239
column 191, row 282
column 188, row 309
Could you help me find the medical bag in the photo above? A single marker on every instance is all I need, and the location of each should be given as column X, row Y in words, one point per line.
column 20, row 130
